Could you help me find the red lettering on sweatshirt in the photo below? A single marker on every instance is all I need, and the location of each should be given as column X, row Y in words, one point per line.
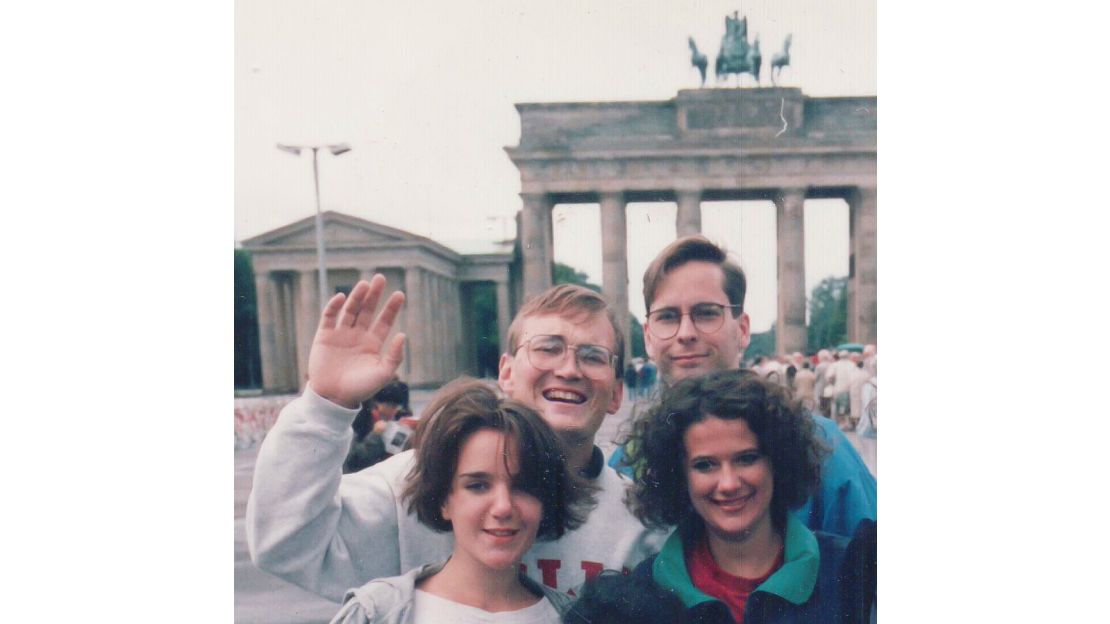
column 592, row 569
column 549, row 567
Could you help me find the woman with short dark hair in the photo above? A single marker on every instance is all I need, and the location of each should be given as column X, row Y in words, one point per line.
column 725, row 457
column 493, row 473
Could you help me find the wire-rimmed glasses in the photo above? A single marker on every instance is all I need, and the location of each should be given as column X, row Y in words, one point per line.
column 547, row 353
column 707, row 318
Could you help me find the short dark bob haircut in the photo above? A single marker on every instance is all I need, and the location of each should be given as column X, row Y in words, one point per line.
column 657, row 450
column 465, row 406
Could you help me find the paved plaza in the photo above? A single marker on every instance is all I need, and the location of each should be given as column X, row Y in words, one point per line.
column 264, row 599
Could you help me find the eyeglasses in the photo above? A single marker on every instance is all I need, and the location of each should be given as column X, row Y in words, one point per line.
column 707, row 318
column 546, row 353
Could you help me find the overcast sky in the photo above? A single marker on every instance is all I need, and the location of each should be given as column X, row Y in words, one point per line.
column 424, row 94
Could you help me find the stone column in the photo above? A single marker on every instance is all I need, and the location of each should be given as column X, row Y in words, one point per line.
column 417, row 336
column 535, row 237
column 614, row 259
column 366, row 274
column 790, row 327
column 453, row 328
column 289, row 311
column 504, row 316
column 688, row 217
column 307, row 317
column 437, row 306
column 456, row 331
column 863, row 266
column 281, row 362
column 549, row 240
column 263, row 288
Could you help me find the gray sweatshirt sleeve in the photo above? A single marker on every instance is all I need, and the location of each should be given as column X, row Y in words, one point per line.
column 308, row 523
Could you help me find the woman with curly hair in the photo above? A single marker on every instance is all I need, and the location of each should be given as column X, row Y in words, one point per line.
column 492, row 472
column 725, row 457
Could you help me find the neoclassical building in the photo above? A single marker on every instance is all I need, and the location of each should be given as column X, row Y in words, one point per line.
column 437, row 281
column 704, row 145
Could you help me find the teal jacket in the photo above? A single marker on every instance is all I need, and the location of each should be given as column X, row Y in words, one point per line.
column 816, row 582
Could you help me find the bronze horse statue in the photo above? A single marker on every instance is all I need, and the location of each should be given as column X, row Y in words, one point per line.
column 781, row 59
column 697, row 59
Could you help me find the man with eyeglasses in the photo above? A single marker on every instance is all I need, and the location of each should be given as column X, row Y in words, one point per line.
column 328, row 532
column 696, row 324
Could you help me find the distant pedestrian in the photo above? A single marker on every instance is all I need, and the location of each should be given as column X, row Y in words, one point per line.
column 840, row 374
column 868, row 426
column 871, row 360
column 630, row 378
column 805, row 382
column 389, row 404
column 822, row 389
column 647, row 378
column 859, row 378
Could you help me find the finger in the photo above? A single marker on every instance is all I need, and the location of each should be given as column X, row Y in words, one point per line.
column 367, row 317
column 377, row 285
column 354, row 303
column 395, row 352
column 384, row 323
column 331, row 311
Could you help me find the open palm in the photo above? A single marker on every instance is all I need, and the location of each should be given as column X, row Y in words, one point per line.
column 350, row 360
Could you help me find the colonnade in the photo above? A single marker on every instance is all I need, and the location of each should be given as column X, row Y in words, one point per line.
column 432, row 320
column 537, row 239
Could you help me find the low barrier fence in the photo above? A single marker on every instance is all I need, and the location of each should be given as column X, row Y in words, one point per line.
column 254, row 416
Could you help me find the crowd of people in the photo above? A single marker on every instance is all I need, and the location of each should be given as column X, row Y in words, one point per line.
column 639, row 378
column 841, row 385
column 504, row 510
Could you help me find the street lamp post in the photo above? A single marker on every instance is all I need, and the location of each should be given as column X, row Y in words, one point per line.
column 336, row 150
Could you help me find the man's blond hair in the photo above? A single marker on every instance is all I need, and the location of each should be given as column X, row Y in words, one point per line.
column 568, row 300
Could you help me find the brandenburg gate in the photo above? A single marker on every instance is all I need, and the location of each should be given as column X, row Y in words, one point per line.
column 706, row 145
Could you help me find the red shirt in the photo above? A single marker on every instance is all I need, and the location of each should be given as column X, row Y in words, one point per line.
column 711, row 579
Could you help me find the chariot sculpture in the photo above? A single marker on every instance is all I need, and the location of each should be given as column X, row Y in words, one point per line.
column 736, row 55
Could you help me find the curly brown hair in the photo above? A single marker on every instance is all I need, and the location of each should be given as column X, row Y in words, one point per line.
column 657, row 451
column 465, row 406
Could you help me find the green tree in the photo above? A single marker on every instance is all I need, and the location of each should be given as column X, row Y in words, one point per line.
column 566, row 274
column 762, row 343
column 483, row 301
column 828, row 314
column 248, row 360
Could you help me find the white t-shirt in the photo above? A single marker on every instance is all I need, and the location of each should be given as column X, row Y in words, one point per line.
column 431, row 609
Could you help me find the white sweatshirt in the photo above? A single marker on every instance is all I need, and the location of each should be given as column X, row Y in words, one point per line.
column 327, row 532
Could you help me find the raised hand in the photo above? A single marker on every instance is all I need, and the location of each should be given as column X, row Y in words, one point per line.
column 350, row 360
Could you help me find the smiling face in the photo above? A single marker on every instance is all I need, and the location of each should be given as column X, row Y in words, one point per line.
column 690, row 352
column 573, row 404
column 494, row 523
column 731, row 482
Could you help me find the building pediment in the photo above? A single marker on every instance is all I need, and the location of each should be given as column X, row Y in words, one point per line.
column 339, row 230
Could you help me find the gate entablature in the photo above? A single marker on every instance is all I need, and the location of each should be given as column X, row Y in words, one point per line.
column 704, row 145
